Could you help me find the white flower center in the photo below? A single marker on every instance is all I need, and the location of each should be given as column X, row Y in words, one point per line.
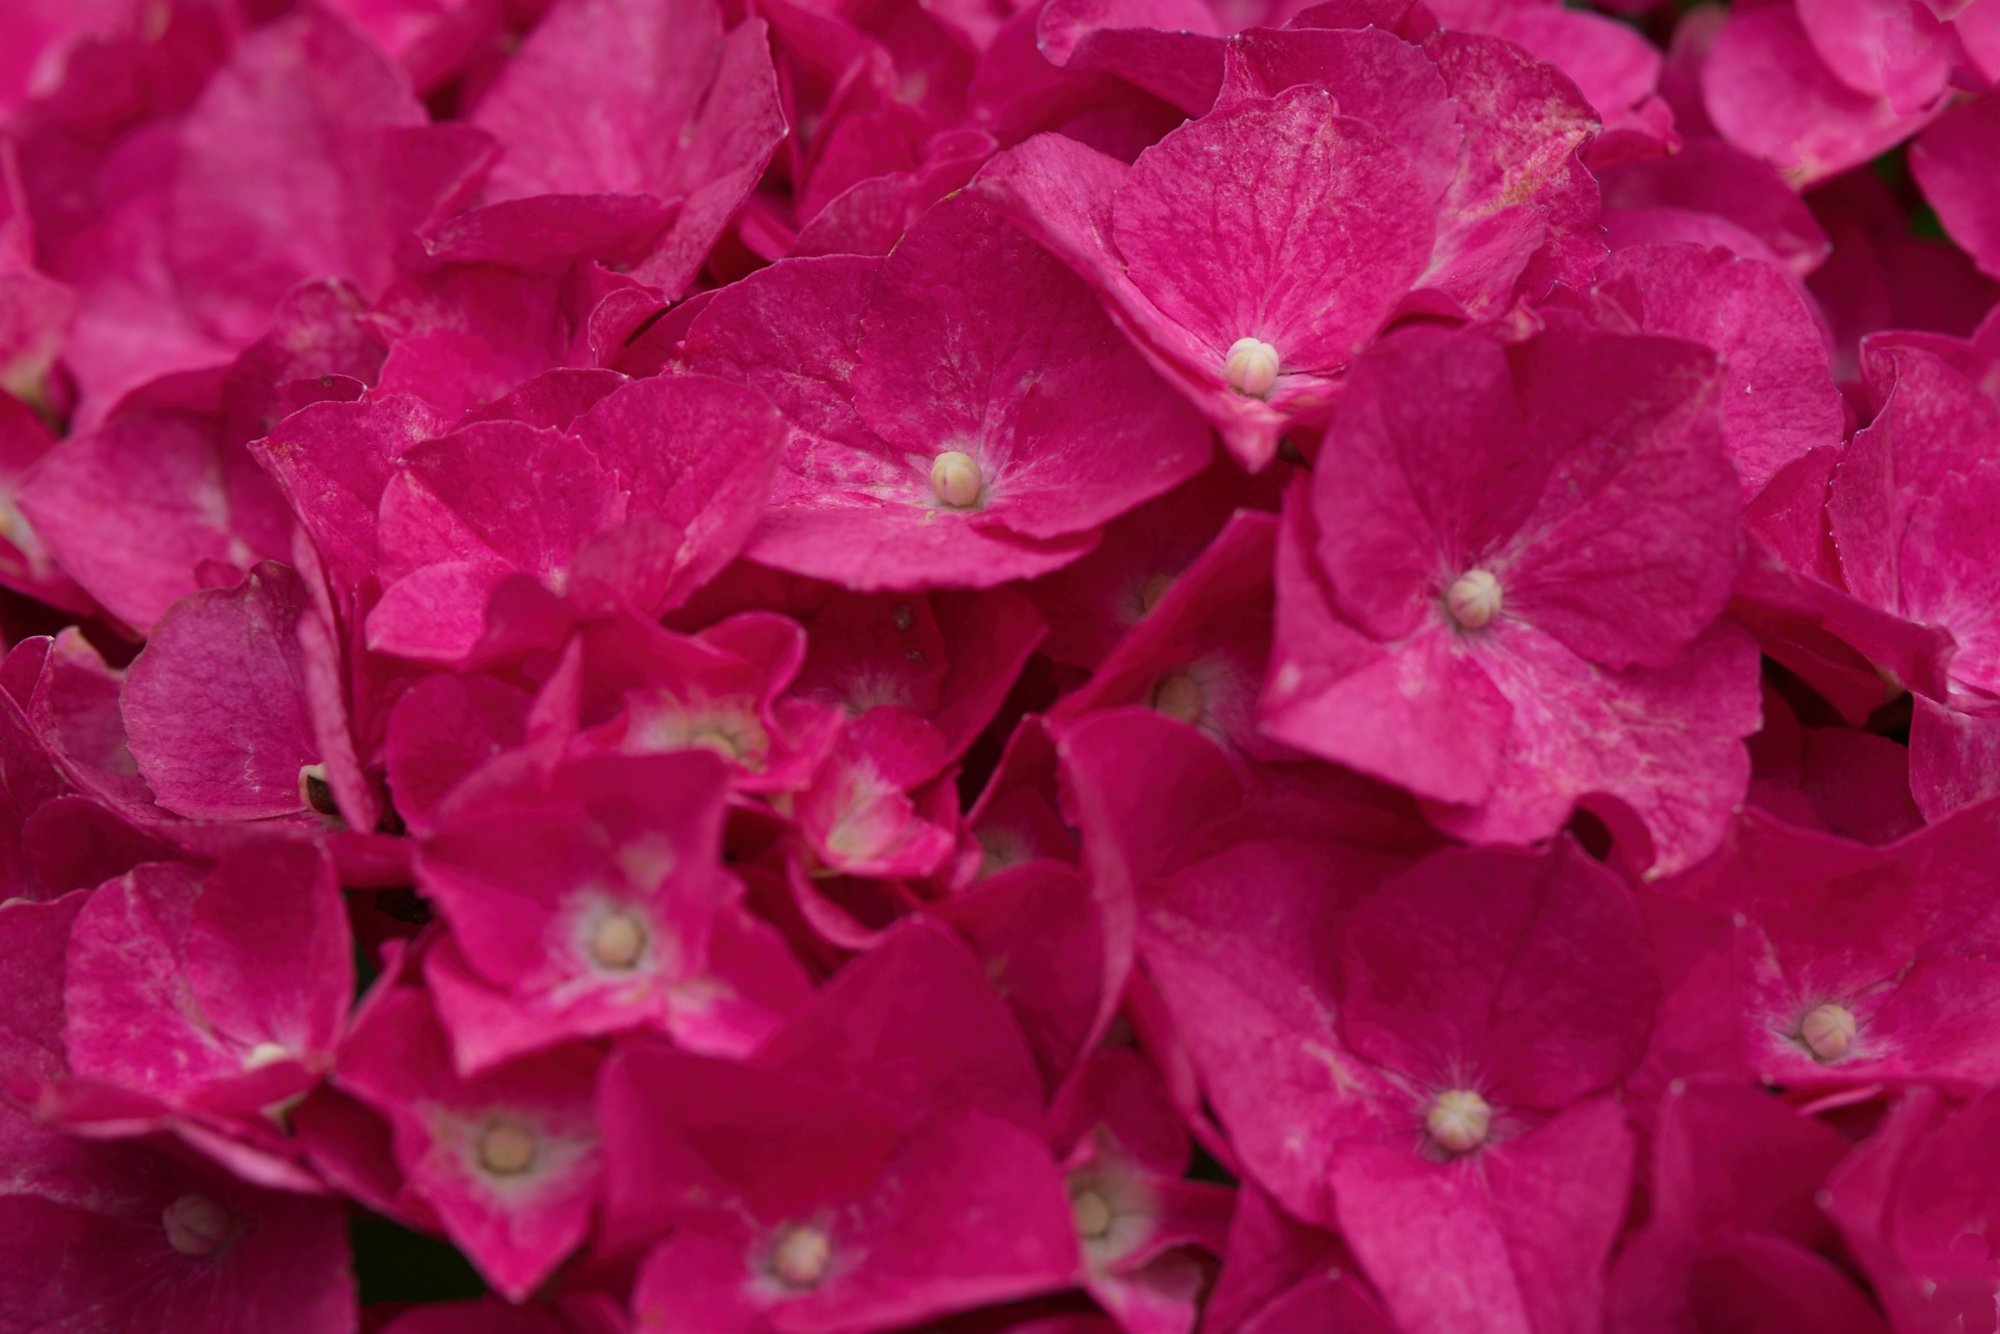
column 619, row 941
column 1178, row 696
column 1828, row 1031
column 955, row 478
column 1459, row 1120
column 800, row 1258
column 506, row 1148
column 263, row 1054
column 196, row 1225
column 1093, row 1214
column 1251, row 367
column 1473, row 599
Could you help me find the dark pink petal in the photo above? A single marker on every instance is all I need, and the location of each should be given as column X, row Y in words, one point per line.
column 1915, row 1203
column 213, row 993
column 1710, row 180
column 380, row 172
column 1776, row 395
column 1522, row 211
column 510, row 1161
column 1954, row 759
column 1061, row 192
column 215, row 705
column 585, row 897
column 332, row 461
column 1892, row 937
column 1257, row 1011
column 1418, row 497
column 1042, row 939
column 1249, row 223
column 88, row 1237
column 978, row 340
column 1771, row 96
column 1886, row 48
column 1200, row 653
column 1171, row 48
column 1579, row 729
column 1524, row 978
column 670, row 107
column 1374, row 75
column 595, row 100
column 966, row 1213
column 962, row 1050
column 692, row 502
column 1949, row 161
column 1511, row 1261
column 134, row 508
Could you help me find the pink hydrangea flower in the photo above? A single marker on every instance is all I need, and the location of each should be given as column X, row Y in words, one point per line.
column 1483, row 625
column 591, row 900
column 1915, row 1203
column 509, row 1160
column 1735, row 1231
column 967, row 431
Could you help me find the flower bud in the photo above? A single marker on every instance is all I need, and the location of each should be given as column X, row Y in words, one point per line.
column 506, row 1148
column 1093, row 1214
column 1473, row 599
column 1828, row 1031
column 955, row 478
column 619, row 941
column 1251, row 367
column 1459, row 1120
column 1179, row 697
column 800, row 1258
column 196, row 1225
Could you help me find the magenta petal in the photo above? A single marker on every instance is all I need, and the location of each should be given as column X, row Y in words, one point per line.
column 584, row 897
column 179, row 988
column 1528, row 976
column 133, row 508
column 1949, row 162
column 1580, row 730
column 1257, row 1012
column 1770, row 95
column 1515, row 1264
column 215, row 705
column 595, row 100
column 84, row 1242
column 963, row 1050
column 1777, row 395
column 380, row 172
column 1374, row 75
column 696, row 502
column 1013, row 363
column 333, row 460
column 515, row 1219
column 1282, row 247
column 1908, row 1201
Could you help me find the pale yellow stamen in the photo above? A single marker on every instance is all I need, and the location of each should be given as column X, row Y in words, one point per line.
column 955, row 478
column 1459, row 1120
column 1828, row 1031
column 1179, row 697
column 619, row 941
column 1251, row 367
column 263, row 1054
column 801, row 1256
column 1093, row 1214
column 196, row 1225
column 507, row 1148
column 1473, row 599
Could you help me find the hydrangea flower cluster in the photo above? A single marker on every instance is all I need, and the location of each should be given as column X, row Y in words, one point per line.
column 1048, row 666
